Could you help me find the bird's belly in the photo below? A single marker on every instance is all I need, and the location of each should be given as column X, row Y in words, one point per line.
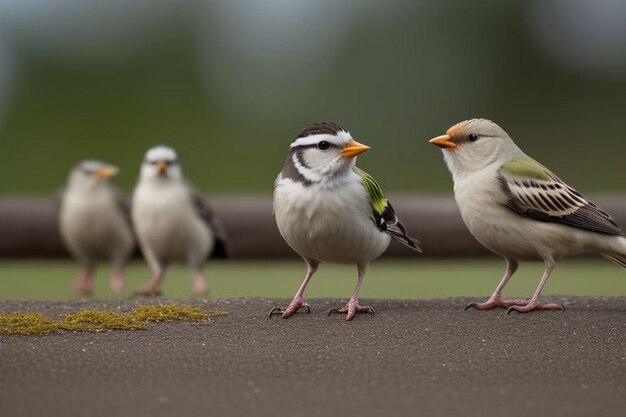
column 173, row 234
column 511, row 235
column 330, row 228
column 96, row 232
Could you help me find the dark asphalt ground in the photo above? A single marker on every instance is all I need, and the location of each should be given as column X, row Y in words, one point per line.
column 423, row 357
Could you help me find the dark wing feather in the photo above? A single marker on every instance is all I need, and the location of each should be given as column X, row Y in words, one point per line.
column 208, row 216
column 551, row 200
column 384, row 216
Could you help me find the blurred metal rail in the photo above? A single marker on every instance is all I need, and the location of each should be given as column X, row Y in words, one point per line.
column 28, row 226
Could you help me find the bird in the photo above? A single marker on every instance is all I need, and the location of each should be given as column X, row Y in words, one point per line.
column 94, row 223
column 520, row 210
column 328, row 210
column 173, row 223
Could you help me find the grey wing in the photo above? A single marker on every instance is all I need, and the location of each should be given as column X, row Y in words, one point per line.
column 556, row 202
column 208, row 216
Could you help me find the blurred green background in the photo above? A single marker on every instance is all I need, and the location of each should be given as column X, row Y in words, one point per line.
column 231, row 83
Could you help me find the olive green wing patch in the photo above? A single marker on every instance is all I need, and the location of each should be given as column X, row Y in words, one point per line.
column 383, row 214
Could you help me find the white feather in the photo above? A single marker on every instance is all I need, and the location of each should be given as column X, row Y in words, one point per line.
column 167, row 225
column 329, row 221
column 93, row 227
column 341, row 139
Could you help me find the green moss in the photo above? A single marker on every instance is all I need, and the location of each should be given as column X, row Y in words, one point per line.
column 167, row 312
column 26, row 323
column 101, row 320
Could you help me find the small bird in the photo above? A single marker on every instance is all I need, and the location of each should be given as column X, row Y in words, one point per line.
column 94, row 221
column 172, row 221
column 520, row 210
column 327, row 209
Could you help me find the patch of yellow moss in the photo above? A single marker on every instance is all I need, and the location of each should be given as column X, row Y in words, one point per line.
column 101, row 320
column 26, row 323
column 167, row 312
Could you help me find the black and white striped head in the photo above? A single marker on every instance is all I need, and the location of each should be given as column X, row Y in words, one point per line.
column 90, row 174
column 320, row 153
column 161, row 162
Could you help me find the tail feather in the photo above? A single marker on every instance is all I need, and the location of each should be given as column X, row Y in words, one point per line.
column 618, row 259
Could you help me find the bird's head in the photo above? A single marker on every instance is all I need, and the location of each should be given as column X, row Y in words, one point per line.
column 320, row 153
column 90, row 174
column 161, row 162
column 473, row 144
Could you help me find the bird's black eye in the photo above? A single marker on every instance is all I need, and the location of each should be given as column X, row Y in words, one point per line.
column 472, row 137
column 323, row 145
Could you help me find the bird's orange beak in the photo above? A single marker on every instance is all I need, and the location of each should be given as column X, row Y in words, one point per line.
column 353, row 148
column 444, row 142
column 106, row 172
column 161, row 166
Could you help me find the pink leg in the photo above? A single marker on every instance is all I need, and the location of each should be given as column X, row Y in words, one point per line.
column 353, row 307
column 534, row 304
column 298, row 300
column 152, row 287
column 496, row 299
column 117, row 280
column 84, row 283
column 199, row 285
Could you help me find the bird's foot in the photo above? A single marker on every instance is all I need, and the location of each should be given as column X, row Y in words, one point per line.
column 496, row 302
column 82, row 287
column 351, row 309
column 533, row 305
column 295, row 305
column 200, row 287
column 147, row 292
column 117, row 284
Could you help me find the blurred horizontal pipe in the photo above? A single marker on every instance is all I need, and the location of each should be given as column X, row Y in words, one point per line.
column 28, row 226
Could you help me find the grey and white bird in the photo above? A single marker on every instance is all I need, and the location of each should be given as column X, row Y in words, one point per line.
column 94, row 221
column 520, row 210
column 173, row 223
column 327, row 209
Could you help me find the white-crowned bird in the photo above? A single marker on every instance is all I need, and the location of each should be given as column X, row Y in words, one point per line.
column 327, row 209
column 173, row 223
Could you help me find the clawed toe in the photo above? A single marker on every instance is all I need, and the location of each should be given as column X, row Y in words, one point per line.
column 140, row 293
column 351, row 310
column 275, row 310
column 470, row 305
column 495, row 303
column 287, row 312
column 533, row 306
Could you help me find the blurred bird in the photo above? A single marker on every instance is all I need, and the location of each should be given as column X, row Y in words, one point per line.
column 172, row 222
column 327, row 209
column 94, row 221
column 520, row 210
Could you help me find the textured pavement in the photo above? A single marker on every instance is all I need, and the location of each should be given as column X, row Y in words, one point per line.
column 422, row 357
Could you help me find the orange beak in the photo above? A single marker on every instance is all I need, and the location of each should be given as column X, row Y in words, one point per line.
column 444, row 142
column 106, row 172
column 162, row 166
column 353, row 148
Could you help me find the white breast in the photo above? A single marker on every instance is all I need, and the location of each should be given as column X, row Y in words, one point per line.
column 93, row 226
column 167, row 225
column 328, row 224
